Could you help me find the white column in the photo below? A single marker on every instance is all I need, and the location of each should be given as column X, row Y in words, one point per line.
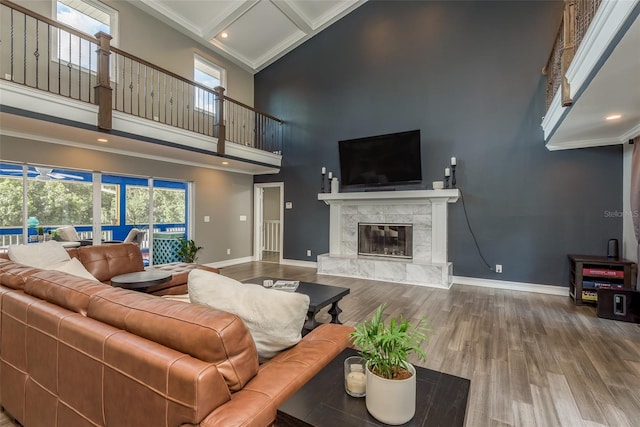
column 335, row 229
column 439, row 231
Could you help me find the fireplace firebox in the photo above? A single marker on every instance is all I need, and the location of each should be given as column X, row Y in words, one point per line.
column 385, row 240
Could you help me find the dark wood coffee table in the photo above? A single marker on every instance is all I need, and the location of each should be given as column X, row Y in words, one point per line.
column 322, row 402
column 141, row 280
column 320, row 296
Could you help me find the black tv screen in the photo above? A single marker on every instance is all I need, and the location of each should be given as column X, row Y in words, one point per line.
column 383, row 160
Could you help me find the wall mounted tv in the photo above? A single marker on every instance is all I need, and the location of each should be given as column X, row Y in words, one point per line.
column 381, row 161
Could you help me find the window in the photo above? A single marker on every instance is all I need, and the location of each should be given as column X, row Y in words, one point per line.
column 88, row 16
column 169, row 204
column 209, row 75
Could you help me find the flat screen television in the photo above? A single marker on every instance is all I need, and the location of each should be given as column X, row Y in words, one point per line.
column 381, row 161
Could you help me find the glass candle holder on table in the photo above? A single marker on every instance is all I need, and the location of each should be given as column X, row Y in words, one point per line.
column 355, row 381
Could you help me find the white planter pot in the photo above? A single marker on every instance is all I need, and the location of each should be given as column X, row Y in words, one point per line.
column 391, row 401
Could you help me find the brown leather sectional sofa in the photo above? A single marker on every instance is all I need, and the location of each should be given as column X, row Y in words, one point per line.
column 75, row 352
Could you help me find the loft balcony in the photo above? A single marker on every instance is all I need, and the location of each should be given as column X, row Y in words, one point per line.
column 593, row 73
column 62, row 86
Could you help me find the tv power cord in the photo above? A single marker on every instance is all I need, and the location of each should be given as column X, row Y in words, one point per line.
column 466, row 216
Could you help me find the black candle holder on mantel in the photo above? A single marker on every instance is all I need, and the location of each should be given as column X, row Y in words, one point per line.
column 453, row 176
column 322, row 183
column 446, row 181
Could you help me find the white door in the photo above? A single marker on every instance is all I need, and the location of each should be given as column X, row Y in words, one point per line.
column 268, row 227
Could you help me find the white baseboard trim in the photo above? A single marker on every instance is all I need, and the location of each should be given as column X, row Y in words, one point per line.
column 512, row 286
column 230, row 262
column 298, row 263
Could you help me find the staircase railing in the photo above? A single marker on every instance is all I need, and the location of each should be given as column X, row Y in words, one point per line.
column 41, row 53
column 577, row 17
column 38, row 52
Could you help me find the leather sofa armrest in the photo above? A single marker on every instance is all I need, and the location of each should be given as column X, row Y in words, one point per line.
column 278, row 379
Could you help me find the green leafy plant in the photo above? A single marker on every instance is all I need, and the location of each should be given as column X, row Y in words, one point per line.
column 188, row 250
column 40, row 231
column 386, row 347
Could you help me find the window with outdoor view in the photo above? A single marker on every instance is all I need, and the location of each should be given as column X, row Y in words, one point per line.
column 89, row 17
column 169, row 205
column 207, row 74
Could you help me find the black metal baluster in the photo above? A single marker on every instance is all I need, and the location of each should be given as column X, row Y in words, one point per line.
column 164, row 91
column 12, row 48
column 36, row 53
column 146, row 83
column 189, row 111
column 89, row 73
column 116, row 82
column 59, row 54
column 159, row 107
column 152, row 99
column 171, row 100
column 79, row 69
column 138, row 88
column 124, row 83
column 183, row 104
column 69, row 66
column 48, row 57
column 130, row 86
column 24, row 52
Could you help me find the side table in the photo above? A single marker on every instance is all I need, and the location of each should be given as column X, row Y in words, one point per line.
column 141, row 280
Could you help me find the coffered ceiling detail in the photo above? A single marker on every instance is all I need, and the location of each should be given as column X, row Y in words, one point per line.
column 258, row 32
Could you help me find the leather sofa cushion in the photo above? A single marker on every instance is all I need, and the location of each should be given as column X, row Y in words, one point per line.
column 65, row 290
column 210, row 335
column 14, row 275
column 106, row 261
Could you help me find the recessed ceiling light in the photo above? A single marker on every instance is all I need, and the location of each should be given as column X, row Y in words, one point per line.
column 224, row 35
column 614, row 117
column 102, row 140
column 225, row 163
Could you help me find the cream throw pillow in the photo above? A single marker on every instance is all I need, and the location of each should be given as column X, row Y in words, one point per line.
column 274, row 318
column 68, row 233
column 73, row 266
column 39, row 255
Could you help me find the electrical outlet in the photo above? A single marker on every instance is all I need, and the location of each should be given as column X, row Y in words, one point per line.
column 498, row 268
column 308, row 252
column 229, row 251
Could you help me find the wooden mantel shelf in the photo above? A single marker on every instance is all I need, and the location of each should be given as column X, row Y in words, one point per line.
column 451, row 196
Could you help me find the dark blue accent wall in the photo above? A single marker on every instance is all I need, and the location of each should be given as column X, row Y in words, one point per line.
column 468, row 75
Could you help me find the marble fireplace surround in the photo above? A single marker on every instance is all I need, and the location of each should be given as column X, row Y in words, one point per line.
column 427, row 210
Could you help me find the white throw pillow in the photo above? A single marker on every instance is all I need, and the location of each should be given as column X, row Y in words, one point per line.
column 39, row 255
column 68, row 233
column 274, row 318
column 73, row 266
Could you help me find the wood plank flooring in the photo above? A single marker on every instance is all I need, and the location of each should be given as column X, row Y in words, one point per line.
column 533, row 359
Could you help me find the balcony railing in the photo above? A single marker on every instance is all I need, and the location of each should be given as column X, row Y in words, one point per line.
column 577, row 17
column 41, row 53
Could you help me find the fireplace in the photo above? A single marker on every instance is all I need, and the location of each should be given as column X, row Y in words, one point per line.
column 385, row 240
column 420, row 260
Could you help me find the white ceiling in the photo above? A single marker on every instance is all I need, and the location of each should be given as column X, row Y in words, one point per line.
column 259, row 31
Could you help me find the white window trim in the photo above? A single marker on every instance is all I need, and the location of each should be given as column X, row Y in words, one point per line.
column 113, row 22
column 208, row 62
column 213, row 65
